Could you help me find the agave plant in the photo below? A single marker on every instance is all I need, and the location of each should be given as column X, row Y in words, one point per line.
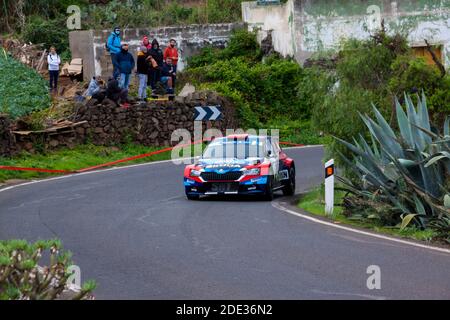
column 403, row 176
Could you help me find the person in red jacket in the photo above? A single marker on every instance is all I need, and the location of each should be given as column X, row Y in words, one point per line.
column 172, row 52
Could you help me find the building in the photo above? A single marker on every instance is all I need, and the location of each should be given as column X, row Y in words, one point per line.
column 301, row 27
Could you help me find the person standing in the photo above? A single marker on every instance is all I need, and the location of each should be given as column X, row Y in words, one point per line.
column 157, row 59
column 142, row 72
column 172, row 52
column 146, row 43
column 54, row 61
column 126, row 66
column 113, row 46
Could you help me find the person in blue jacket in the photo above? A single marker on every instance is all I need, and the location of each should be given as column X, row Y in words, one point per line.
column 126, row 66
column 114, row 47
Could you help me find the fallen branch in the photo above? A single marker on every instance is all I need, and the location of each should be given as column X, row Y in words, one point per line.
column 435, row 58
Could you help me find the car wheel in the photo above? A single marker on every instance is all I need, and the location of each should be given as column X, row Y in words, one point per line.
column 192, row 197
column 289, row 188
column 268, row 196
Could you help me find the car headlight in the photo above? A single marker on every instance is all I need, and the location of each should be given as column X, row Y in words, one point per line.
column 195, row 173
column 252, row 172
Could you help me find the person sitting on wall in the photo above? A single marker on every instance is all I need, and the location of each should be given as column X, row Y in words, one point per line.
column 168, row 75
column 94, row 87
column 117, row 94
column 172, row 52
column 126, row 66
column 113, row 46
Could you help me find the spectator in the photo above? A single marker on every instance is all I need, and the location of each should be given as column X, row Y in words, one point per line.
column 172, row 52
column 54, row 61
column 168, row 75
column 113, row 46
column 143, row 67
column 126, row 66
column 146, row 43
column 94, row 87
column 155, row 69
column 117, row 94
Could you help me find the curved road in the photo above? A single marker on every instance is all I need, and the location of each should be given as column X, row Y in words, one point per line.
column 133, row 231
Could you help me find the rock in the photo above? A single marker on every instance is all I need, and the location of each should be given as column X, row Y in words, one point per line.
column 53, row 143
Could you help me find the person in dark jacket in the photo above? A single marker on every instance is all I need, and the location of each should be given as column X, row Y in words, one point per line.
column 117, row 94
column 143, row 67
column 126, row 66
column 155, row 69
column 168, row 75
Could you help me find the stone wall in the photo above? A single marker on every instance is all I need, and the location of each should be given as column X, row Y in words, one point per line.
column 150, row 125
column 7, row 142
column 90, row 45
column 301, row 27
column 110, row 124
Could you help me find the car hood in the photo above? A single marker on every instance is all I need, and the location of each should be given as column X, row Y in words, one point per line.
column 227, row 165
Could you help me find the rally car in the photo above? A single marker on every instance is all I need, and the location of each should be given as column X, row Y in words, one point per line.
column 241, row 164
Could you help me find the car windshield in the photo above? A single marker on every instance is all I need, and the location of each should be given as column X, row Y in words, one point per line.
column 240, row 149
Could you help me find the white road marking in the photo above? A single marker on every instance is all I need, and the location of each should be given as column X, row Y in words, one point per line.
column 278, row 206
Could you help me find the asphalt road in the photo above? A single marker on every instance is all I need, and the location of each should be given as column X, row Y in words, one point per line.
column 134, row 232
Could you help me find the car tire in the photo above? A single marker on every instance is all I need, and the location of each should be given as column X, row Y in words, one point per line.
column 268, row 195
column 192, row 197
column 289, row 188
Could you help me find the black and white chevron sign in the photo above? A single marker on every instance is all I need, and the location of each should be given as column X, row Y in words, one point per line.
column 210, row 113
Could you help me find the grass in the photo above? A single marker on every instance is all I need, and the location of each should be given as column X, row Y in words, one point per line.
column 313, row 202
column 81, row 156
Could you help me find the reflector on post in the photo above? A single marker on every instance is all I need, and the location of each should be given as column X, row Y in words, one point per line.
column 329, row 187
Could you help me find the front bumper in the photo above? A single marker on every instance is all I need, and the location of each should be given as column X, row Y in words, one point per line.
column 255, row 185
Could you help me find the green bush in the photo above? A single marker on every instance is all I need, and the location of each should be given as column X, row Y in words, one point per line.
column 402, row 177
column 268, row 89
column 49, row 33
column 22, row 89
column 264, row 90
column 22, row 278
column 242, row 44
column 373, row 71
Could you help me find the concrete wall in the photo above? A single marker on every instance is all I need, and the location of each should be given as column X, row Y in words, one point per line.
column 90, row 45
column 302, row 27
column 81, row 46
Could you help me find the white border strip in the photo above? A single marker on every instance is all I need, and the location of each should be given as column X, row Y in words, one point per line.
column 278, row 206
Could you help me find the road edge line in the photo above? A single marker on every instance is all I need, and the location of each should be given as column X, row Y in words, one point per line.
column 279, row 206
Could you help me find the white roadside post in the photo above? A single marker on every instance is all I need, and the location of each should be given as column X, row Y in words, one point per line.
column 329, row 187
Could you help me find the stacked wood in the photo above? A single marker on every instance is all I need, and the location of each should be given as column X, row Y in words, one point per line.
column 30, row 54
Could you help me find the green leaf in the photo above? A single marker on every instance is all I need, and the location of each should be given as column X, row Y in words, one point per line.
column 437, row 157
column 404, row 125
column 447, row 126
column 406, row 220
column 447, row 201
